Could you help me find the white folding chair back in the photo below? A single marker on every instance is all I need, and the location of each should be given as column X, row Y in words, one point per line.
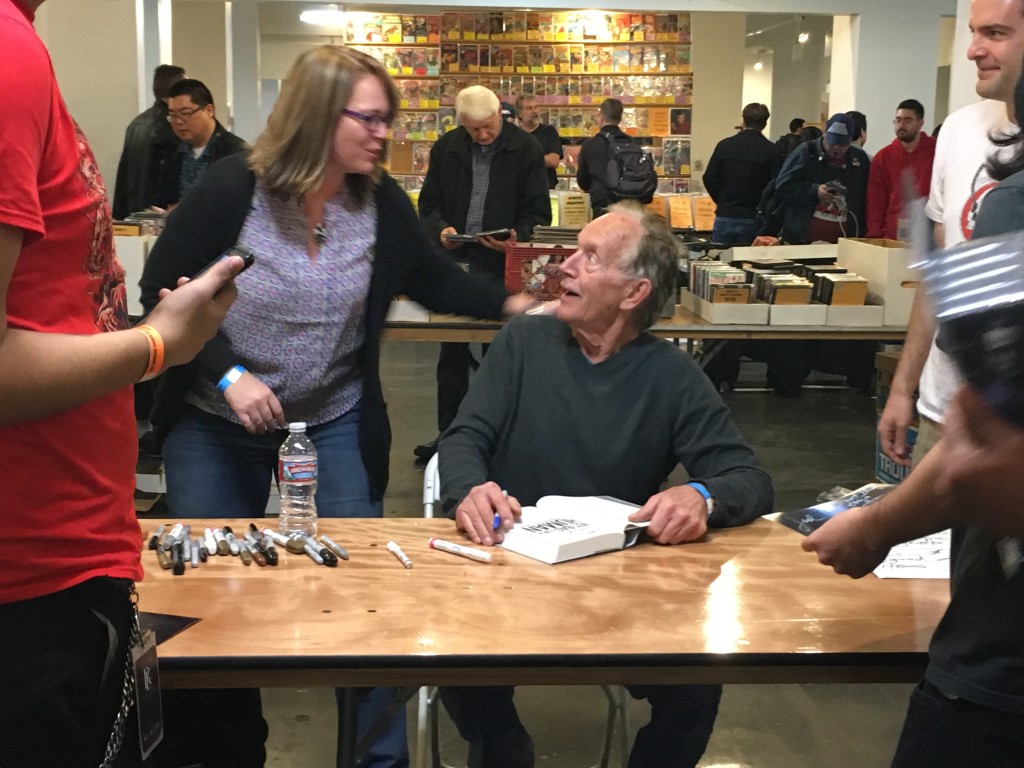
column 428, row 754
column 431, row 486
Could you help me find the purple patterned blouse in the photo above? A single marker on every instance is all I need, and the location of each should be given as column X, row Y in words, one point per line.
column 297, row 325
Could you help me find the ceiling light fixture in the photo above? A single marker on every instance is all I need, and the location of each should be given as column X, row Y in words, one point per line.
column 803, row 37
column 324, row 17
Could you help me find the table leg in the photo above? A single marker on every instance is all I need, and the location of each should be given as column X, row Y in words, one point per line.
column 347, row 725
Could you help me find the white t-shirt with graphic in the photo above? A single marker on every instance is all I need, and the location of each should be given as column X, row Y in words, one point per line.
column 960, row 182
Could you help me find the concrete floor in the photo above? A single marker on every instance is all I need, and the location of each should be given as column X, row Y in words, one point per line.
column 822, row 439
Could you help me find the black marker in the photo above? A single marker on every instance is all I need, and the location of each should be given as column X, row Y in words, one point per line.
column 269, row 550
column 329, row 557
column 178, row 553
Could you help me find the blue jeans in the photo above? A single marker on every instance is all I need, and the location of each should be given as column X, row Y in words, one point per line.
column 682, row 718
column 217, row 469
column 732, row 231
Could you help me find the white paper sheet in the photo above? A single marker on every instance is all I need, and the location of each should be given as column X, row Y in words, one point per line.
column 924, row 558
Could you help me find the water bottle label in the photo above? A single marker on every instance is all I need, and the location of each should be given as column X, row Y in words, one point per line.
column 296, row 471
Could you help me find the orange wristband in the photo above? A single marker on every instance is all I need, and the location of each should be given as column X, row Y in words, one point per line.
column 156, row 351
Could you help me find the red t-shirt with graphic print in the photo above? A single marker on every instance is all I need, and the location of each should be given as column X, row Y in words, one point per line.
column 67, row 483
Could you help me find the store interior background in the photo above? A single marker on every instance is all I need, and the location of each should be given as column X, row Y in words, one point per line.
column 861, row 54
column 879, row 52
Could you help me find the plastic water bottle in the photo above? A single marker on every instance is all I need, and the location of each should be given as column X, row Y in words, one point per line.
column 296, row 476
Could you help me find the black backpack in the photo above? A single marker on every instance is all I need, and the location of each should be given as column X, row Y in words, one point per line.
column 630, row 174
column 770, row 210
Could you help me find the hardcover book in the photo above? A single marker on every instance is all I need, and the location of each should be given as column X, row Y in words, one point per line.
column 561, row 528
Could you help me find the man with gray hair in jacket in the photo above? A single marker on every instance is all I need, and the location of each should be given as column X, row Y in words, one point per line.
column 485, row 175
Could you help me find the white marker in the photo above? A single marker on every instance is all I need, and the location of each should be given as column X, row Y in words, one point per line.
column 396, row 550
column 458, row 549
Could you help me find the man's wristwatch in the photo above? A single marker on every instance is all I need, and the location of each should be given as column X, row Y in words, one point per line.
column 703, row 491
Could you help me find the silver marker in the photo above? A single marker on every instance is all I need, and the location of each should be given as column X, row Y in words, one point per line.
column 339, row 550
column 233, row 544
column 313, row 554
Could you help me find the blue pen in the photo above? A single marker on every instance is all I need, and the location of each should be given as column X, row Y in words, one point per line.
column 497, row 517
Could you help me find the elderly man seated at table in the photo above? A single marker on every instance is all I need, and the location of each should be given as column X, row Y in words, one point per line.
column 588, row 403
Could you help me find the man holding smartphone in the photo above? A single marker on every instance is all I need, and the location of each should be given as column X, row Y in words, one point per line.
column 487, row 174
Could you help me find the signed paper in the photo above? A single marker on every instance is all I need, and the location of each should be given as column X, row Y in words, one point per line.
column 924, row 558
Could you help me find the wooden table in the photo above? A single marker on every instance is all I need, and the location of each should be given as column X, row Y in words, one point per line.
column 685, row 325
column 744, row 606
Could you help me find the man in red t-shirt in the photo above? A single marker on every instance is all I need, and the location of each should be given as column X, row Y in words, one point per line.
column 912, row 150
column 67, row 429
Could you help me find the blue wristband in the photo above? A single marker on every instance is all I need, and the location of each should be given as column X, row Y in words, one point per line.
column 703, row 491
column 230, row 377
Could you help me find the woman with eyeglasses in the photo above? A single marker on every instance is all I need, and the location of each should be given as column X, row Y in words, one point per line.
column 335, row 239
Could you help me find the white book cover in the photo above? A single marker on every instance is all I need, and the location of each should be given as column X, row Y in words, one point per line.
column 561, row 528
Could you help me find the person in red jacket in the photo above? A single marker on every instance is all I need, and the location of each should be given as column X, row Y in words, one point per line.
column 912, row 150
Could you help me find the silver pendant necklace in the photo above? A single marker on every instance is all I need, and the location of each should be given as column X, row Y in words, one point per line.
column 320, row 234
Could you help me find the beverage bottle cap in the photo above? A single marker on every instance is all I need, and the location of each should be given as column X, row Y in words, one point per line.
column 297, row 426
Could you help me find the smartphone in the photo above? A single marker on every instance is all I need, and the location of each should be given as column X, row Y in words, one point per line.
column 248, row 259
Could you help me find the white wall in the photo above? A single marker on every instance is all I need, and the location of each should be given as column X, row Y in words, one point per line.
column 94, row 56
column 757, row 84
column 198, row 44
column 798, row 86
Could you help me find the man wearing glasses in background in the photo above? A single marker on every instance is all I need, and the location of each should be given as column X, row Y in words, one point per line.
column 204, row 141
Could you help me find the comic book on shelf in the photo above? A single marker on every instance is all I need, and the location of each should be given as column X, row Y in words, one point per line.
column 676, row 157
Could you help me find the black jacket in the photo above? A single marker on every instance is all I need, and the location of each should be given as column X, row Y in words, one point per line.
column 148, row 140
column 739, row 169
column 517, row 194
column 208, row 222
column 593, row 168
column 223, row 144
column 797, row 184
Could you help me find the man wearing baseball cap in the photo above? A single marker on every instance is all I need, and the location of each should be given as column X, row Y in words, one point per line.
column 823, row 186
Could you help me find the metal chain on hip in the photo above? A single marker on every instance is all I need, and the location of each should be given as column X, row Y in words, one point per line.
column 127, row 688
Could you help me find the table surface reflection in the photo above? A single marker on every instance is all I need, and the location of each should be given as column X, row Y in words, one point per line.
column 742, row 605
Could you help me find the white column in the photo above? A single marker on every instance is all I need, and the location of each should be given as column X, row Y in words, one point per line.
column 152, row 42
column 963, row 73
column 717, row 82
column 243, row 59
column 841, row 88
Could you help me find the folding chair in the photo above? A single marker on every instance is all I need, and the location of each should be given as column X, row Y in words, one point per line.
column 429, row 700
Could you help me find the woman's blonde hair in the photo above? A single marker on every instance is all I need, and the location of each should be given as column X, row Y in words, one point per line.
column 290, row 155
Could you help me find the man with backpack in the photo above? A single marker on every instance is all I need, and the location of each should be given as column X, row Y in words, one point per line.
column 613, row 166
